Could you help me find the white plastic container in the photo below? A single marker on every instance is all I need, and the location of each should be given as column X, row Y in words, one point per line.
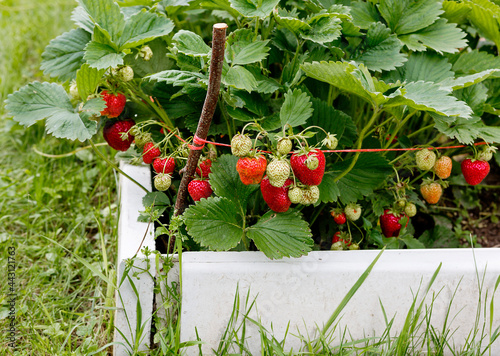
column 302, row 293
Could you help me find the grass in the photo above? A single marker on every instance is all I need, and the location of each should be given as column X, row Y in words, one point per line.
column 60, row 215
column 53, row 210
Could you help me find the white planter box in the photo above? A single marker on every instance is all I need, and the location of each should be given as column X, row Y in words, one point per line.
column 304, row 292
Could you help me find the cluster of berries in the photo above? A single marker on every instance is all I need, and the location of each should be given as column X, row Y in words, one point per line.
column 282, row 181
column 342, row 240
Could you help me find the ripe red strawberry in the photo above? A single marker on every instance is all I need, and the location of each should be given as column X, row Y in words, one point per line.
column 276, row 198
column 251, row 169
column 431, row 191
column 150, row 152
column 342, row 237
column 303, row 173
column 443, row 166
column 339, row 217
column 114, row 104
column 206, row 168
column 164, row 165
column 389, row 222
column 198, row 189
column 116, row 134
column 475, row 171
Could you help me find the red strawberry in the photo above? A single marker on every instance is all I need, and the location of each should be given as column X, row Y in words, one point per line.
column 276, row 198
column 299, row 163
column 206, row 168
column 342, row 237
column 339, row 217
column 198, row 189
column 116, row 134
column 164, row 165
column 251, row 169
column 114, row 104
column 150, row 152
column 475, row 171
column 389, row 222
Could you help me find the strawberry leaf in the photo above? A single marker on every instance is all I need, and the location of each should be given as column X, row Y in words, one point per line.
column 369, row 172
column 143, row 27
column 64, row 54
column 240, row 78
column 254, row 8
column 381, row 50
column 213, row 223
column 225, row 182
column 407, row 16
column 281, row 235
column 191, row 44
column 87, row 80
column 38, row 101
column 333, row 121
column 296, row 108
column 107, row 16
column 102, row 56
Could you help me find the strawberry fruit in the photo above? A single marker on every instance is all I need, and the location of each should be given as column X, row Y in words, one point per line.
column 352, row 211
column 251, row 169
column 431, row 191
column 425, row 159
column 150, row 152
column 278, row 171
column 114, row 104
column 116, row 134
column 204, row 168
column 276, row 197
column 339, row 217
column 199, row 189
column 164, row 165
column 241, row 145
column 475, row 171
column 389, row 222
column 442, row 167
column 306, row 175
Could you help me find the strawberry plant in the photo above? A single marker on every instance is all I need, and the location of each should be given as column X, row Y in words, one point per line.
column 298, row 108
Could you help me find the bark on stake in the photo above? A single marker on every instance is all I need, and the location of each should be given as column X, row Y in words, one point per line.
column 218, row 44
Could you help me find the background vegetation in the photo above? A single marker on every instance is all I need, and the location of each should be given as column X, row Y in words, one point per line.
column 47, row 201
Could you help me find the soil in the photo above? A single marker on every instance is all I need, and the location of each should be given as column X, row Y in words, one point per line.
column 484, row 222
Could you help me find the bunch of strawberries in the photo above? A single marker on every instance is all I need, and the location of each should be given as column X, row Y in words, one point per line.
column 285, row 181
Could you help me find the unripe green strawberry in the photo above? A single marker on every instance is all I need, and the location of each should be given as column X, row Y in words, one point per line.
column 284, row 146
column 401, row 203
column 353, row 211
column 295, row 195
column 331, row 141
column 142, row 138
column 312, row 162
column 354, row 246
column 241, row 145
column 310, row 195
column 337, row 246
column 125, row 73
column 134, row 131
column 410, row 210
column 278, row 171
column 146, row 53
column 425, row 159
column 486, row 154
column 443, row 166
column 73, row 92
column 162, row 181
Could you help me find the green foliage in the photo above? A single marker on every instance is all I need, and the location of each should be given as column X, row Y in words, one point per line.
column 351, row 75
